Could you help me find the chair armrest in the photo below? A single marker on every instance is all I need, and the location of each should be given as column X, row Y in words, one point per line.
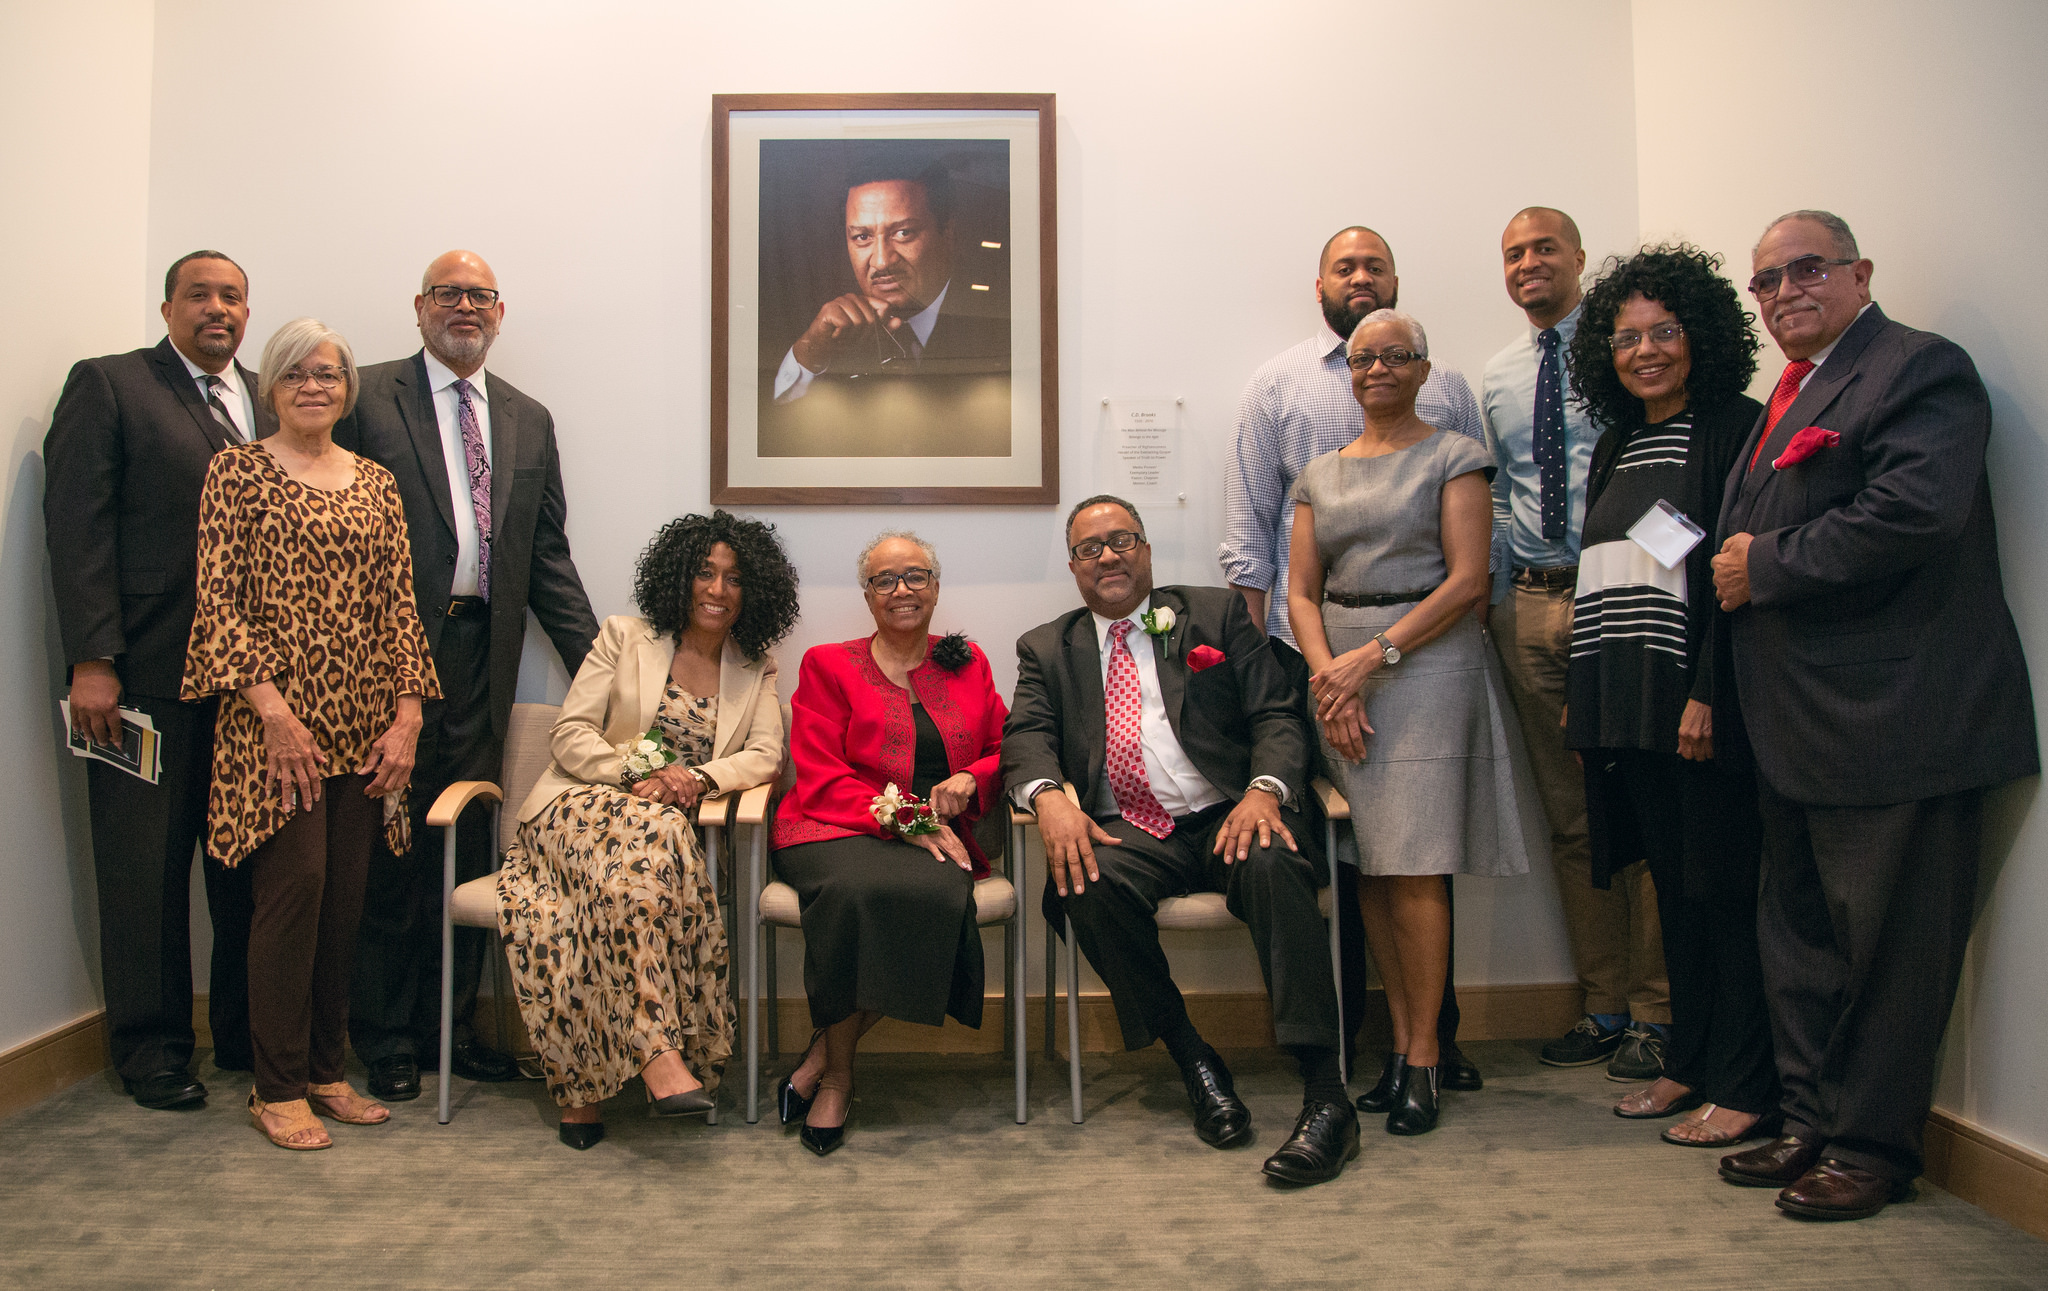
column 1334, row 805
column 455, row 800
column 1021, row 816
column 753, row 805
column 715, row 810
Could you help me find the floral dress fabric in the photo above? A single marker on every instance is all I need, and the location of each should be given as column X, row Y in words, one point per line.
column 311, row 590
column 612, row 928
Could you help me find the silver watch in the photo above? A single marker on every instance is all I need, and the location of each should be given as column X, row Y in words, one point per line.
column 1392, row 651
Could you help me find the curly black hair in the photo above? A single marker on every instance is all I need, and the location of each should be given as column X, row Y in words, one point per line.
column 669, row 565
column 1687, row 281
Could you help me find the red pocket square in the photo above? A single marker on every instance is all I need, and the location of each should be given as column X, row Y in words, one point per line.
column 1805, row 444
column 1204, row 657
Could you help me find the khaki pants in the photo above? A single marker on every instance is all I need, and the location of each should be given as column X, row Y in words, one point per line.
column 1617, row 943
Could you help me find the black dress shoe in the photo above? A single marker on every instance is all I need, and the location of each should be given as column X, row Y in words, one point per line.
column 1837, row 1190
column 691, row 1102
column 1776, row 1164
column 395, row 1079
column 1455, row 1071
column 822, row 1140
column 1325, row 1137
column 790, row 1105
column 161, row 1091
column 1221, row 1121
column 472, row 1061
column 1416, row 1112
column 581, row 1135
column 1380, row 1099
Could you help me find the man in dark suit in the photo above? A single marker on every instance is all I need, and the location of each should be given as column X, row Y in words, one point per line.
column 1182, row 731
column 838, row 390
column 1884, row 688
column 126, row 455
column 478, row 471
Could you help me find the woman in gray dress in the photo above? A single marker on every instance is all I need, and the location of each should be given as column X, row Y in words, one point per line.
column 1388, row 563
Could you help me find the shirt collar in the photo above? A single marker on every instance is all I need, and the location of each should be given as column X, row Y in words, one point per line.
column 1567, row 327
column 1102, row 625
column 924, row 320
column 440, row 376
column 229, row 376
column 1820, row 355
column 1326, row 337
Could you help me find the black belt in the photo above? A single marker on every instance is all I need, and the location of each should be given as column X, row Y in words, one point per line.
column 461, row 605
column 1554, row 578
column 1376, row 600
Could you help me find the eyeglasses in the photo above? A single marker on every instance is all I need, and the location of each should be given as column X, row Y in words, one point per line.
column 1662, row 333
column 914, row 579
column 450, row 297
column 325, row 378
column 1121, row 541
column 1364, row 359
column 1806, row 271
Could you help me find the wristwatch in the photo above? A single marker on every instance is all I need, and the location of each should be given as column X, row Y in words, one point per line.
column 1392, row 651
column 710, row 785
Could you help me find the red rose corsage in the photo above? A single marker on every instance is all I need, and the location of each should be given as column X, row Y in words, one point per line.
column 903, row 813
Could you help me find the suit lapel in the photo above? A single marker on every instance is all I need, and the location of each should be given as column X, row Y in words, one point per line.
column 1084, row 663
column 736, row 684
column 416, row 410
column 1821, row 391
column 504, row 453
column 266, row 417
column 172, row 368
column 656, row 654
column 1167, row 654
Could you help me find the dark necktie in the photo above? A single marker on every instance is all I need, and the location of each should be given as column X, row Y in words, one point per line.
column 479, row 467
column 1781, row 399
column 1126, row 706
column 214, row 387
column 1549, row 444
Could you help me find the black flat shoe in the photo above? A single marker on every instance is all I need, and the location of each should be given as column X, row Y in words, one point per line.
column 166, row 1090
column 1221, row 1120
column 395, row 1079
column 472, row 1061
column 691, row 1102
column 581, row 1135
column 1416, row 1112
column 1455, row 1071
column 1380, row 1099
column 790, row 1105
column 1325, row 1137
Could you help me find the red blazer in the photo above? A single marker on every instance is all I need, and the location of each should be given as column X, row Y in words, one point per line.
column 851, row 734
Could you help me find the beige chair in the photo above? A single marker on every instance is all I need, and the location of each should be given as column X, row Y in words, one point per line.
column 475, row 904
column 774, row 905
column 1198, row 911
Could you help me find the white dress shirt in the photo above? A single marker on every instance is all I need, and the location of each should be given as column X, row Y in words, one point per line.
column 793, row 379
column 1820, row 355
column 441, row 380
column 240, row 403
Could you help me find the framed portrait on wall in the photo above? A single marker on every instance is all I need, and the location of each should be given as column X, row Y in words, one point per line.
column 883, row 299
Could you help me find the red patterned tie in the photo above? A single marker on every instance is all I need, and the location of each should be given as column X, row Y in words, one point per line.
column 479, row 483
column 1781, row 399
column 1127, row 778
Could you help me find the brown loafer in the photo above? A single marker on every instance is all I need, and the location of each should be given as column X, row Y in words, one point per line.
column 1837, row 1190
column 1774, row 1165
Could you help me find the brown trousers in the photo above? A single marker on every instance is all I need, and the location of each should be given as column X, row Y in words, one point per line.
column 307, row 884
column 1616, row 940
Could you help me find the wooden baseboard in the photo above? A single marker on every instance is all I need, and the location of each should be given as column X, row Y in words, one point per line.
column 56, row 1060
column 1990, row 1172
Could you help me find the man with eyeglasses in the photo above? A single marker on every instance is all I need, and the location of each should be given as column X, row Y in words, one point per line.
column 1884, row 690
column 126, row 457
column 1182, row 733
column 481, row 481
column 1542, row 444
column 1298, row 406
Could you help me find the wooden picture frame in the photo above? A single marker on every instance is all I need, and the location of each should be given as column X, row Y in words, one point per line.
column 938, row 211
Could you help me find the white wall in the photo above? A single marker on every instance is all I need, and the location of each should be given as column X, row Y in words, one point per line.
column 74, row 94
column 1925, row 136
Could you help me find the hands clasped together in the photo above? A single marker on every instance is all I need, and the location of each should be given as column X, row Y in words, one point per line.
column 1340, row 700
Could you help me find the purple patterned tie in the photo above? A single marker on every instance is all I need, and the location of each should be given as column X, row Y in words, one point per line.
column 479, row 484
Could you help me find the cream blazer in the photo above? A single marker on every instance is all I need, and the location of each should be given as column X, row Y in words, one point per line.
column 613, row 700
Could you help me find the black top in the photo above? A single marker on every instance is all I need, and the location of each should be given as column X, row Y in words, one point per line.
column 930, row 767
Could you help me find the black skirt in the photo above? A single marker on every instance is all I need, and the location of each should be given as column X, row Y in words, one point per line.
column 886, row 927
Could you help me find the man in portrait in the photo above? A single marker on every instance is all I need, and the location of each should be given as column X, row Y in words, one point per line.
column 913, row 360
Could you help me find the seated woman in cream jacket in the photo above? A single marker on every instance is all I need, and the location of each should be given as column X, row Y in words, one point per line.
column 618, row 953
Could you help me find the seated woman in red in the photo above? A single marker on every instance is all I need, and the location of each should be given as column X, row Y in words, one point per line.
column 888, row 908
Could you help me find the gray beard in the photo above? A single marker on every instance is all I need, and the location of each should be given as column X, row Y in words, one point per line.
column 458, row 353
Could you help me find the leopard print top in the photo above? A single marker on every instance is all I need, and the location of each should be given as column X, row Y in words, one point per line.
column 310, row 589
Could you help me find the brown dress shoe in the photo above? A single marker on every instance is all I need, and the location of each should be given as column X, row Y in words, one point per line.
column 1774, row 1165
column 1837, row 1190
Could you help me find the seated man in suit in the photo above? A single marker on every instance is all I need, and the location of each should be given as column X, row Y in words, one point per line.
column 838, row 388
column 1182, row 730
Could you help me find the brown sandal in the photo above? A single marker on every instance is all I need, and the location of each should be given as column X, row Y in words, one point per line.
column 297, row 1135
column 345, row 1105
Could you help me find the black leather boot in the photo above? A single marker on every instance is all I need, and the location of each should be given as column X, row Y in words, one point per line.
column 1416, row 1112
column 1380, row 1099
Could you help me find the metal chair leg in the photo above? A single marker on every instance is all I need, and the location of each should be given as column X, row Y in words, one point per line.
column 1074, row 1019
column 1052, row 969
column 447, row 963
column 1336, row 947
column 753, row 923
column 1018, row 1043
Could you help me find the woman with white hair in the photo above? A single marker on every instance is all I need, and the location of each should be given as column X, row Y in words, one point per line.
column 896, row 741
column 306, row 627
column 1386, row 571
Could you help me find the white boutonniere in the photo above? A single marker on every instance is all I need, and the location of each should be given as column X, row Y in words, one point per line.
column 1158, row 621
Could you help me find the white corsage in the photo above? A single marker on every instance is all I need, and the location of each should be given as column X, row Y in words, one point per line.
column 903, row 813
column 1158, row 621
column 647, row 755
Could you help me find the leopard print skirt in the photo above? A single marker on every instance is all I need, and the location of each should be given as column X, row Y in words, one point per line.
column 616, row 943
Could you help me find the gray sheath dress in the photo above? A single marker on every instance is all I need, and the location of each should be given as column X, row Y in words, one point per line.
column 1444, row 788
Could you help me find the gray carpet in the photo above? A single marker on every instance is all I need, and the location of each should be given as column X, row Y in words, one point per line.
column 1528, row 1183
